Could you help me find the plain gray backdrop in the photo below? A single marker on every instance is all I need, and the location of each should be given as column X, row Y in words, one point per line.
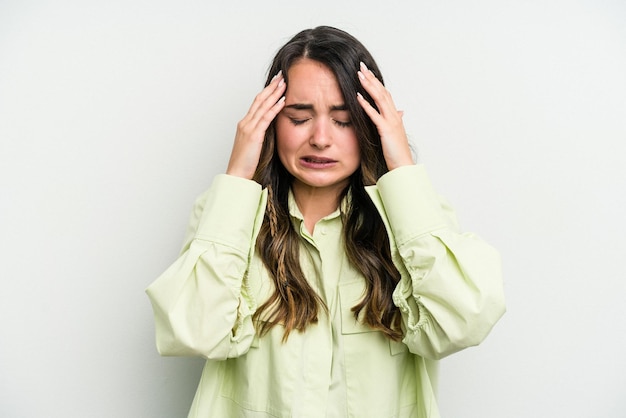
column 115, row 114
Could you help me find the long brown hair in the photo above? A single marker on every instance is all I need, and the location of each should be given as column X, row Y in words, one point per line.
column 294, row 303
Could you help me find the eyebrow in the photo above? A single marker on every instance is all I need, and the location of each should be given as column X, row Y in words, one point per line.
column 305, row 106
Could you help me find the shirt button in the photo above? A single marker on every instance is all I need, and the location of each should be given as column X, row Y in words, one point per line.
column 323, row 231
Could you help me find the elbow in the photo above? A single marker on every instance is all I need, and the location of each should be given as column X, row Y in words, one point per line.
column 473, row 326
column 170, row 345
column 476, row 327
column 437, row 339
column 177, row 338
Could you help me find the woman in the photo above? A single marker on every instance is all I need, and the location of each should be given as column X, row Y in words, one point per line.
column 321, row 275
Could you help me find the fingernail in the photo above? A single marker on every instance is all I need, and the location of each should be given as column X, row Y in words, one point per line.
column 359, row 95
column 361, row 76
column 362, row 64
column 281, row 82
column 278, row 74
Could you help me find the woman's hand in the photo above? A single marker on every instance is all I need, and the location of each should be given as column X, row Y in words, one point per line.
column 387, row 119
column 246, row 152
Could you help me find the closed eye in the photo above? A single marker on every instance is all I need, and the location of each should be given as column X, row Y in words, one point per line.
column 297, row 122
column 342, row 124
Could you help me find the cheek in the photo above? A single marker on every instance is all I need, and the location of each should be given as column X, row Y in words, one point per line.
column 354, row 148
column 288, row 137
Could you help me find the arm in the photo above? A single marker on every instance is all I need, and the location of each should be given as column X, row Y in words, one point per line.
column 202, row 304
column 450, row 294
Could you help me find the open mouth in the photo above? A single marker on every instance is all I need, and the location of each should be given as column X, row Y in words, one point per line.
column 317, row 160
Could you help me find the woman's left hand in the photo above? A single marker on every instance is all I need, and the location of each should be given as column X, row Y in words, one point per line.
column 387, row 119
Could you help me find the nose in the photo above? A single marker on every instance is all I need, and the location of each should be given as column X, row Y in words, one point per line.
column 321, row 135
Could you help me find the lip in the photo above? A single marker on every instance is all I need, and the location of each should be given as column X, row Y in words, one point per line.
column 316, row 161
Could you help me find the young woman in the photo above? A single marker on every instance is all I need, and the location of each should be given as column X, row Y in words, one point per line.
column 321, row 275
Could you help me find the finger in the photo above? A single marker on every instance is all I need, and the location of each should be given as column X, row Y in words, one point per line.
column 268, row 117
column 266, row 98
column 263, row 110
column 272, row 89
column 270, row 106
column 266, row 113
column 376, row 90
column 369, row 109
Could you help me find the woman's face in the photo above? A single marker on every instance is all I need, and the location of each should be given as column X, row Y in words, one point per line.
column 315, row 139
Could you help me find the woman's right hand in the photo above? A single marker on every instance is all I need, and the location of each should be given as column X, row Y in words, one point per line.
column 246, row 152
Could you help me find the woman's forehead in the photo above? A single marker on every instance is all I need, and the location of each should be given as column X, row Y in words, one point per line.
column 311, row 84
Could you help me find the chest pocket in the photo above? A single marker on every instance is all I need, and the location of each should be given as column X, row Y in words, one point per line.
column 350, row 295
column 374, row 363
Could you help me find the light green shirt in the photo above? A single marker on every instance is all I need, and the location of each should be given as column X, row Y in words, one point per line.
column 450, row 296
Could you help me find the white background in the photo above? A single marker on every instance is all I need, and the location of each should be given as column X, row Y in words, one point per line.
column 115, row 114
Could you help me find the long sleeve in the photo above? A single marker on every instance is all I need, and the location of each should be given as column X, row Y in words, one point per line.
column 202, row 304
column 450, row 294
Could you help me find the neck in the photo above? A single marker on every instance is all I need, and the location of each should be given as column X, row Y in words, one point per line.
column 315, row 203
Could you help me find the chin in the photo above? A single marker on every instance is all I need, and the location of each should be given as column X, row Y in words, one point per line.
column 323, row 183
